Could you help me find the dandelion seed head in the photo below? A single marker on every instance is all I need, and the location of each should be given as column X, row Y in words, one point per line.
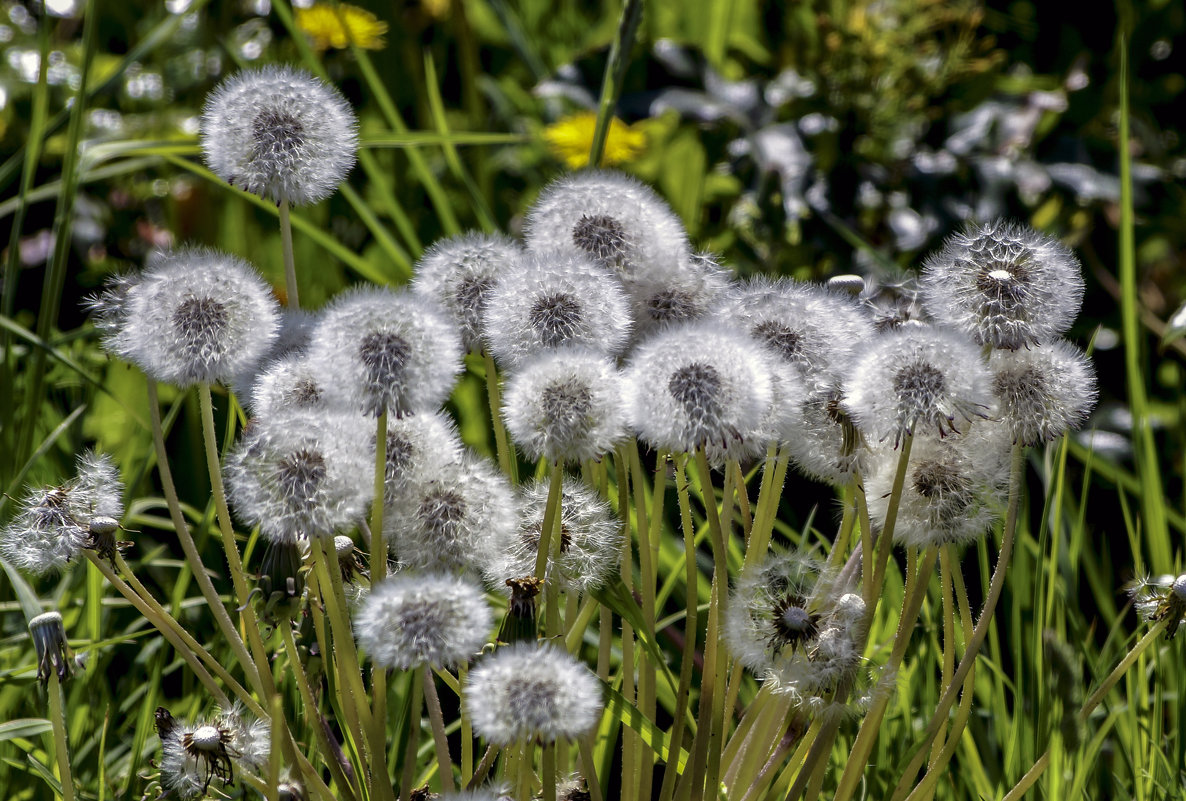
column 820, row 438
column 290, row 384
column 526, row 692
column 279, row 133
column 675, row 292
column 1004, row 285
column 417, row 445
column 1043, row 390
column 412, row 620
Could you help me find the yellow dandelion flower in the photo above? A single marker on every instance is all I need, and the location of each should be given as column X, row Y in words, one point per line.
column 571, row 138
column 338, row 25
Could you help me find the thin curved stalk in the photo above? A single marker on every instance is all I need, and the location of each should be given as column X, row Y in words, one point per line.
column 433, row 702
column 57, row 719
column 290, row 280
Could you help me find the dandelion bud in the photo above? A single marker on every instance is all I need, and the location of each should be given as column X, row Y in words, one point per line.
column 519, row 625
column 700, row 385
column 610, row 218
column 392, row 350
column 193, row 316
column 554, row 299
column 459, row 273
column 565, row 406
column 281, row 580
column 1043, row 390
column 350, row 559
column 526, row 692
column 590, row 539
column 279, row 133
column 916, row 379
column 1004, row 285
column 432, row 619
column 49, row 642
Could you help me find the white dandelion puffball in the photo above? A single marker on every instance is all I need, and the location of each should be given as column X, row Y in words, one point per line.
column 393, row 350
column 609, row 217
column 418, row 444
column 552, row 299
column 301, row 474
column 917, row 379
column 700, row 385
column 1043, row 390
column 434, row 619
column 194, row 316
column 526, row 692
column 279, row 133
column 565, row 405
column 1004, row 285
column 459, row 273
column 675, row 292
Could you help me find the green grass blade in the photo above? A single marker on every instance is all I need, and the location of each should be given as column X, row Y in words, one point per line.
column 615, row 73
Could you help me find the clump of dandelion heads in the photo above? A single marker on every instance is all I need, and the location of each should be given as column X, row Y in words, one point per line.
column 412, row 620
column 300, row 475
column 812, row 329
column 54, row 524
column 193, row 316
column 1163, row 598
column 916, row 379
column 590, row 543
column 49, row 643
column 700, row 385
column 526, row 692
column 279, row 133
column 552, row 299
column 447, row 517
column 955, row 488
column 1043, row 390
column 392, row 350
column 785, row 623
column 1004, row 285
column 459, row 273
column 416, row 445
column 670, row 293
column 610, row 218
column 565, row 405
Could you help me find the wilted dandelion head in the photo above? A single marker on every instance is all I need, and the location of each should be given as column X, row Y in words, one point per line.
column 526, row 692
column 610, row 218
column 279, row 133
column 700, row 385
column 784, row 623
column 459, row 273
column 193, row 316
column 54, row 524
column 955, row 488
column 1043, row 390
column 412, row 620
column 393, row 350
column 300, row 475
column 565, row 405
column 194, row 754
column 675, row 292
column 916, row 379
column 553, row 299
column 49, row 643
column 590, row 543
column 1004, row 285
column 448, row 516
column 418, row 444
column 812, row 329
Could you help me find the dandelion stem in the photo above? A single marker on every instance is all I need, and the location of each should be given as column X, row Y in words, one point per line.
column 548, row 771
column 875, row 583
column 433, row 702
column 551, row 513
column 793, row 767
column 57, row 719
column 272, row 788
column 412, row 747
column 378, row 563
column 225, row 625
column 506, row 456
column 290, row 280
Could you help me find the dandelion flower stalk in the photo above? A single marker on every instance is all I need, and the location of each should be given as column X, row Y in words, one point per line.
column 378, row 562
column 57, row 719
column 437, row 720
column 290, row 280
column 506, row 457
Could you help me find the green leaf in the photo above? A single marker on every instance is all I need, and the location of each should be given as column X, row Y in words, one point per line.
column 23, row 727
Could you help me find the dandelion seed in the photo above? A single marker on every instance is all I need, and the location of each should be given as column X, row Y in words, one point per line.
column 916, row 379
column 432, row 619
column 459, row 274
column 565, row 406
column 590, row 539
column 392, row 350
column 300, row 475
column 700, row 385
column 193, row 316
column 279, row 133
column 526, row 692
column 608, row 217
column 1043, row 390
column 49, row 643
column 554, row 299
column 1004, row 285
